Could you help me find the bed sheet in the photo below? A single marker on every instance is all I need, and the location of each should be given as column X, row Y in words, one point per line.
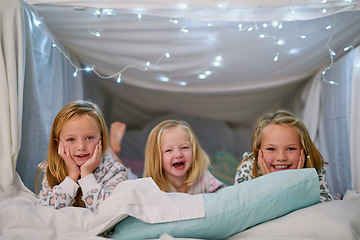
column 141, row 198
column 19, row 218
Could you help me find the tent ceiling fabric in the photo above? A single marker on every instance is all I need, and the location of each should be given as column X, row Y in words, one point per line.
column 201, row 51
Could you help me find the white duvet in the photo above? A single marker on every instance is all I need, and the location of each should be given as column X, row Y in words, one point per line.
column 21, row 219
column 141, row 198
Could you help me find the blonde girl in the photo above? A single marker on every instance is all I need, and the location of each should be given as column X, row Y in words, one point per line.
column 281, row 141
column 176, row 161
column 78, row 170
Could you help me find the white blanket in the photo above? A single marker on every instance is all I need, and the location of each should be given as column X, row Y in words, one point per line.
column 141, row 198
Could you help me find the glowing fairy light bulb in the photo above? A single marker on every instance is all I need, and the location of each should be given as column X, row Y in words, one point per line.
column 167, row 54
column 53, row 45
column 202, row 76
column 280, row 42
column 276, row 58
column 75, row 73
column 119, row 78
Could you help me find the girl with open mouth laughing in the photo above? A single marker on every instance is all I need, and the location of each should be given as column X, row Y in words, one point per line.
column 176, row 161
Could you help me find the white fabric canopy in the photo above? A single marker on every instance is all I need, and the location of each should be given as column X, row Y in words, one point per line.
column 222, row 61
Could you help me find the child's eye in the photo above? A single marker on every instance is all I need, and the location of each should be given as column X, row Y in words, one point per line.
column 167, row 150
column 270, row 149
column 70, row 139
column 291, row 149
column 90, row 138
column 185, row 147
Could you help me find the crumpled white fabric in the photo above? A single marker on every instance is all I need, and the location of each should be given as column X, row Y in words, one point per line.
column 140, row 198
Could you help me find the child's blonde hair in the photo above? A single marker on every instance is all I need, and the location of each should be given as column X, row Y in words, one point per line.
column 56, row 169
column 153, row 155
column 313, row 158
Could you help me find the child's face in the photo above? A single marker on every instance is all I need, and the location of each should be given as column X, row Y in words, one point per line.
column 80, row 135
column 176, row 153
column 281, row 147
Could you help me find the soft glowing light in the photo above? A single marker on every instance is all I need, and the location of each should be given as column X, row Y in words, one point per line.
column 328, row 27
column 332, row 82
column 88, row 69
column 202, row 76
column 323, row 11
column 182, row 83
column 276, row 58
column 280, row 42
column 347, row 48
column 167, row 55
column 324, row 1
column 274, row 23
column 75, row 73
column 109, row 12
column 332, row 53
column 280, row 26
column 303, row 36
column 164, row 79
column 53, row 45
column 250, row 29
column 293, row 51
column 240, row 26
column 175, row 21
column 210, row 25
column 185, row 30
column 147, row 63
column 182, row 6
column 221, row 5
column 139, row 16
column 262, row 35
column 208, row 73
column 119, row 79
column 37, row 22
column 265, row 25
column 98, row 12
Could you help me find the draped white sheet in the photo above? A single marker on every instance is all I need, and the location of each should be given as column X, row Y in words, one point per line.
column 12, row 66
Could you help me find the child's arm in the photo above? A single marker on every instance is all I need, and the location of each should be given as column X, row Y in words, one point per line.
column 244, row 172
column 100, row 185
column 325, row 195
column 59, row 196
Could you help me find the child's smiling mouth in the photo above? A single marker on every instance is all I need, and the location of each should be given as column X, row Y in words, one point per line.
column 281, row 166
column 81, row 156
column 178, row 165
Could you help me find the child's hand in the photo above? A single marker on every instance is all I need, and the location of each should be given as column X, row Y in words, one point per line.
column 73, row 168
column 301, row 160
column 95, row 160
column 264, row 169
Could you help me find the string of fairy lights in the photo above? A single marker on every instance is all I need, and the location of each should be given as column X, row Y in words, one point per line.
column 256, row 26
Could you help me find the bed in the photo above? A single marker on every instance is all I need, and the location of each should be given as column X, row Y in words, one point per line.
column 20, row 218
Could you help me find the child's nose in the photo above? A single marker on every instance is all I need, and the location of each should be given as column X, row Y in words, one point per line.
column 178, row 153
column 81, row 145
column 282, row 156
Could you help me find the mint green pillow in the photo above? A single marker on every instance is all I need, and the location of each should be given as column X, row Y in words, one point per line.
column 235, row 208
